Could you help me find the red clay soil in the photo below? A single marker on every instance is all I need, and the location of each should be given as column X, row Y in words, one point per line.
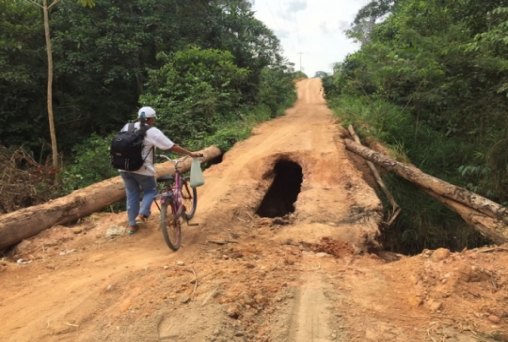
column 315, row 274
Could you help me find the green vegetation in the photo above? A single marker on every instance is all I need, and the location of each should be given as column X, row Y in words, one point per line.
column 208, row 67
column 195, row 93
column 430, row 80
column 89, row 165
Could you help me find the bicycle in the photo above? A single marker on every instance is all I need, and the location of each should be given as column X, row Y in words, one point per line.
column 177, row 201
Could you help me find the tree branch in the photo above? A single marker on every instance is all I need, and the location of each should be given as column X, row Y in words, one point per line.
column 34, row 2
column 53, row 4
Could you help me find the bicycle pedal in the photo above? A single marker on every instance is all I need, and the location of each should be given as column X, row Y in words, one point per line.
column 192, row 224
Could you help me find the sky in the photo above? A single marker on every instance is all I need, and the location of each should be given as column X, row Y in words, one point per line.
column 311, row 32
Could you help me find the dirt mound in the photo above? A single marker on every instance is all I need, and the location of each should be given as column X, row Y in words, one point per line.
column 259, row 266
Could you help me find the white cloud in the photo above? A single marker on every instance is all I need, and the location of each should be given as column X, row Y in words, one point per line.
column 311, row 31
column 296, row 6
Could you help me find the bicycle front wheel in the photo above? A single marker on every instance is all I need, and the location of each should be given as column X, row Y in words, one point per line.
column 171, row 227
column 190, row 200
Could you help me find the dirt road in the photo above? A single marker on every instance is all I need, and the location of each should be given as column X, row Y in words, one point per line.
column 257, row 267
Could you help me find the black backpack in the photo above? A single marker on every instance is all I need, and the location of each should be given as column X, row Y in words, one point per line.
column 126, row 148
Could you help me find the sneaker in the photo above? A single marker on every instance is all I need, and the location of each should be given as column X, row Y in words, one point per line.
column 142, row 219
column 132, row 229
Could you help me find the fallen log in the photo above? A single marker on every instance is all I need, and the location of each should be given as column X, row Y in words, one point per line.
column 27, row 222
column 395, row 207
column 487, row 226
column 488, row 217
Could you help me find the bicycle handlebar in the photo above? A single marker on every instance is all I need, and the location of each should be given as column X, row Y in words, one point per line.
column 174, row 161
column 163, row 156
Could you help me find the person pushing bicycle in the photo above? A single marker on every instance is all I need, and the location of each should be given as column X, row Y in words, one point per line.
column 143, row 179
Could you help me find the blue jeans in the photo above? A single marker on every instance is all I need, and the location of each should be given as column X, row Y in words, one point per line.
column 134, row 185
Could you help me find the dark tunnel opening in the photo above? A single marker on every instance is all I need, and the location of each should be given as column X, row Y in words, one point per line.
column 282, row 194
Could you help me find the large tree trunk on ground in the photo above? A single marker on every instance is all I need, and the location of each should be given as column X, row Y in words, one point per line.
column 494, row 229
column 488, row 217
column 27, row 222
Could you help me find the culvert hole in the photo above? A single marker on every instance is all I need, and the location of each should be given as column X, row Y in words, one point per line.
column 283, row 192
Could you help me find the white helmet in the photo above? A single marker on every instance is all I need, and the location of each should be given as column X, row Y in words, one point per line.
column 147, row 112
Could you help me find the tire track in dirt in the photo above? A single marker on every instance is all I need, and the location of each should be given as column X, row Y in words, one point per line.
column 312, row 316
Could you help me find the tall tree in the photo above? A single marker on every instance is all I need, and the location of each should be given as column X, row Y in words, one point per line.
column 46, row 7
column 366, row 18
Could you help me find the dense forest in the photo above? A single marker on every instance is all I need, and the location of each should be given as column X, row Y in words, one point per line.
column 431, row 82
column 209, row 68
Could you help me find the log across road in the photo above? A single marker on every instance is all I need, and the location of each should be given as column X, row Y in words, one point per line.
column 27, row 222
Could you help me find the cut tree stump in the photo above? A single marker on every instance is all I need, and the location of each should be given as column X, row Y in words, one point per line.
column 27, row 222
column 486, row 216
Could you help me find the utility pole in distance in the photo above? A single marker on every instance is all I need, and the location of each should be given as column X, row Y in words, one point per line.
column 300, row 53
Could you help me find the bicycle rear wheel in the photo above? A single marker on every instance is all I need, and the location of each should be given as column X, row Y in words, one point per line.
column 171, row 226
column 190, row 200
